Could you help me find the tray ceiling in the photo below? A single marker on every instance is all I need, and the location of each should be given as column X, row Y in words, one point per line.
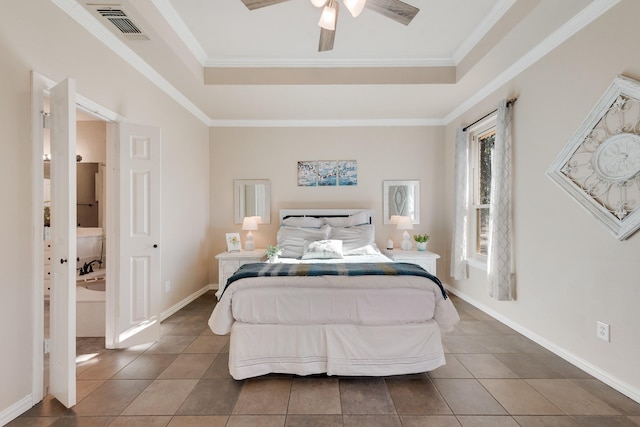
column 234, row 67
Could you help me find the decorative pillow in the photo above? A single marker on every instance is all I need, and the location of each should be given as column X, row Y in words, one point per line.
column 291, row 239
column 303, row 221
column 323, row 249
column 348, row 221
column 371, row 249
column 355, row 239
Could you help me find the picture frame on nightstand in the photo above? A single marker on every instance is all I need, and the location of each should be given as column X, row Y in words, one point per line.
column 233, row 242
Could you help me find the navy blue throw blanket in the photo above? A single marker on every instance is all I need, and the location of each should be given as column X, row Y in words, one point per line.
column 333, row 269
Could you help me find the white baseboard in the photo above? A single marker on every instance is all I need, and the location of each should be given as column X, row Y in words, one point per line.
column 26, row 403
column 612, row 381
column 175, row 308
column 15, row 410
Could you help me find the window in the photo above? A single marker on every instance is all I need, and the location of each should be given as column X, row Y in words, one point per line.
column 482, row 143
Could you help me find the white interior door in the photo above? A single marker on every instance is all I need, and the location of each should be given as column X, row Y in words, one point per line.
column 134, row 300
column 63, row 237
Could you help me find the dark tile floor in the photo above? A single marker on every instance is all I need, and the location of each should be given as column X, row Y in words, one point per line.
column 494, row 377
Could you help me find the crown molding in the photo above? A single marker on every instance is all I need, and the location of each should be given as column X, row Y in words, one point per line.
column 172, row 17
column 327, row 123
column 95, row 28
column 335, row 63
column 482, row 29
column 575, row 24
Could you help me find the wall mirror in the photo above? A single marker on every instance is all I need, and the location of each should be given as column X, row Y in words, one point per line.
column 252, row 197
column 401, row 198
column 89, row 195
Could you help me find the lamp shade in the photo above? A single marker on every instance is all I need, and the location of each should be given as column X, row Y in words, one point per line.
column 329, row 16
column 354, row 6
column 318, row 3
column 250, row 223
column 405, row 223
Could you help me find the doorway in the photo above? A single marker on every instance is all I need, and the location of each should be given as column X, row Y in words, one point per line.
column 132, row 230
column 91, row 239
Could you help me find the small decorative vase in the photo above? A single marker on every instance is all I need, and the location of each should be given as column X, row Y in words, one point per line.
column 422, row 246
column 274, row 259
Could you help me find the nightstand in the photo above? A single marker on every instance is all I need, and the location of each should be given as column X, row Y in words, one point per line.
column 424, row 259
column 229, row 262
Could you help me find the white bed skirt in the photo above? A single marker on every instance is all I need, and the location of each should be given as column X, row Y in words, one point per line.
column 334, row 349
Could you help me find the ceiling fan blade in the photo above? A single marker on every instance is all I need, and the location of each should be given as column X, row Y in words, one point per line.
column 395, row 9
column 257, row 4
column 326, row 39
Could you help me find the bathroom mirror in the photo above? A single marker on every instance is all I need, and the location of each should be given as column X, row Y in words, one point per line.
column 252, row 197
column 89, row 184
column 401, row 198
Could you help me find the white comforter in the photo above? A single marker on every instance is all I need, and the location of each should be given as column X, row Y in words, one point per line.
column 357, row 300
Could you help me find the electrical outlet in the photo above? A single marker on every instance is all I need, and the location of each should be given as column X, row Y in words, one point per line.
column 167, row 286
column 602, row 331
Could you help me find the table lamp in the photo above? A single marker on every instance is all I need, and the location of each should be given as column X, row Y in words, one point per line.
column 405, row 223
column 250, row 223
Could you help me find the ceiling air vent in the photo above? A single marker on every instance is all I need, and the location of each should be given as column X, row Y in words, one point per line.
column 118, row 17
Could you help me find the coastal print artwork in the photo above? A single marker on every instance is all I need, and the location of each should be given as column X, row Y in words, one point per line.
column 307, row 174
column 347, row 172
column 327, row 173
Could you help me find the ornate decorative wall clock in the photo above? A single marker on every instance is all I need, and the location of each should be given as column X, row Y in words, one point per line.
column 600, row 165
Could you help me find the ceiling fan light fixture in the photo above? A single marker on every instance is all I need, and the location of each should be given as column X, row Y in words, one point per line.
column 318, row 3
column 329, row 16
column 354, row 6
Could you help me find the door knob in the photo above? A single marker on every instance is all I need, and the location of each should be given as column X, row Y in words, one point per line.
column 155, row 246
column 62, row 261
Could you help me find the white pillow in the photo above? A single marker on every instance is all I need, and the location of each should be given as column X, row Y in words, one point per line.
column 359, row 218
column 338, row 221
column 355, row 239
column 348, row 221
column 291, row 239
column 303, row 221
column 323, row 249
column 371, row 249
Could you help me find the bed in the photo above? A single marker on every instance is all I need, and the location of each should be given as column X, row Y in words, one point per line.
column 332, row 304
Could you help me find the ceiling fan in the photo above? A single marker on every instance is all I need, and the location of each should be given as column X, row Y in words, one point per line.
column 397, row 10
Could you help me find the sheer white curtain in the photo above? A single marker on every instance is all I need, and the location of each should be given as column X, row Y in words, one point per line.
column 460, row 207
column 500, row 272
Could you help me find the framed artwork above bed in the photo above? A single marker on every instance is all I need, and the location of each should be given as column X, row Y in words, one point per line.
column 327, row 173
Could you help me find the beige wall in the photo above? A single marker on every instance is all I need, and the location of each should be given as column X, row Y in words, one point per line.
column 272, row 153
column 91, row 141
column 571, row 272
column 40, row 37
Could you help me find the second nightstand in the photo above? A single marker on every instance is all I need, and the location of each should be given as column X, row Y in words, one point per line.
column 424, row 259
column 229, row 262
